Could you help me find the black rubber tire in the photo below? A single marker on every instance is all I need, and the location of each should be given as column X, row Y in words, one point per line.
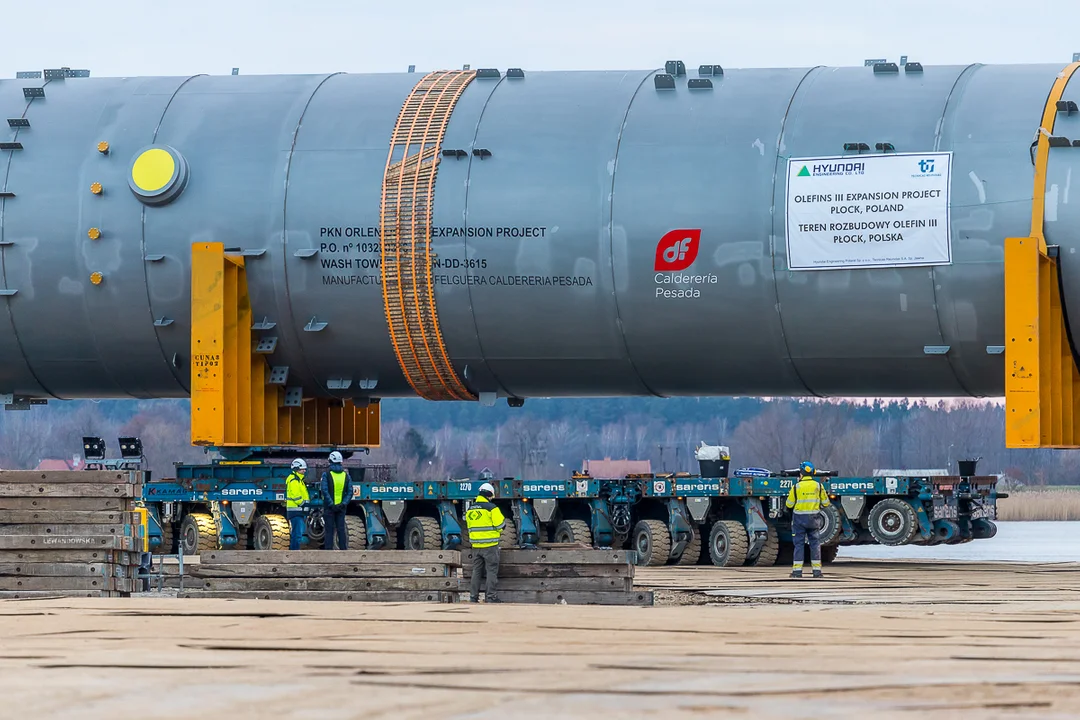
column 652, row 541
column 422, row 533
column 728, row 543
column 356, row 531
column 830, row 529
column 197, row 533
column 270, row 532
column 509, row 536
column 573, row 531
column 315, row 528
column 829, row 553
column 168, row 540
column 769, row 554
column 893, row 522
column 954, row 526
column 983, row 528
column 692, row 552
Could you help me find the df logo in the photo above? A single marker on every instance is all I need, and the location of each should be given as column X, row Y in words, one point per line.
column 926, row 166
column 677, row 250
column 475, row 515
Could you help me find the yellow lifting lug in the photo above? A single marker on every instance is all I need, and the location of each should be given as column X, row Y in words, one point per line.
column 233, row 403
column 1042, row 382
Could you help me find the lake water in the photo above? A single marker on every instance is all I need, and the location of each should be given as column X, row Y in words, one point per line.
column 1014, row 542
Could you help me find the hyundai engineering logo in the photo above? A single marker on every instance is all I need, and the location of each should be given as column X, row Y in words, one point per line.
column 926, row 166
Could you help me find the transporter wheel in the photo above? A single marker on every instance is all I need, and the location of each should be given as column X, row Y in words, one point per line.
column 771, row 550
column 198, row 534
column 393, row 538
column 509, row 536
column 829, row 553
column 652, row 541
column 573, row 531
column 315, row 528
column 830, row 528
column 356, row 531
column 728, row 543
column 692, row 552
column 422, row 533
column 893, row 522
column 168, row 539
column 983, row 529
column 270, row 532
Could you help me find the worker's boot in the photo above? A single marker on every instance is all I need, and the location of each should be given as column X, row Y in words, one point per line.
column 817, row 574
column 796, row 574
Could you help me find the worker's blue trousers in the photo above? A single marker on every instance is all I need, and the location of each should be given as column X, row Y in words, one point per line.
column 296, row 528
column 804, row 530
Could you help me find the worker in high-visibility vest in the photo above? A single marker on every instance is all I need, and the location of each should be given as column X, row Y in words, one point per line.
column 337, row 489
column 805, row 500
column 485, row 522
column 296, row 500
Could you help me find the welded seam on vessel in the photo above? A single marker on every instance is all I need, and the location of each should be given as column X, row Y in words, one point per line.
column 772, row 228
column 468, row 287
column 611, row 236
column 3, row 255
column 146, row 266
column 285, row 236
column 961, row 76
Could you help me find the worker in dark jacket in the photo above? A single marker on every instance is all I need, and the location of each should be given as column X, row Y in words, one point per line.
column 805, row 500
column 337, row 489
column 485, row 522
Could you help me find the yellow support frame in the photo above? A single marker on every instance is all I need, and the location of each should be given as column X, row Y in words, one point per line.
column 1042, row 383
column 232, row 402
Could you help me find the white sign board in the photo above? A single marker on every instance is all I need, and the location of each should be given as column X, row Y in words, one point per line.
column 863, row 211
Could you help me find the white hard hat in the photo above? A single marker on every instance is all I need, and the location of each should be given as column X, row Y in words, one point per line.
column 299, row 464
column 487, row 488
column 335, row 457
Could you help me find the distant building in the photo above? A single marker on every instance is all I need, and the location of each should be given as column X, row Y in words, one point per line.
column 495, row 465
column 608, row 469
column 53, row 464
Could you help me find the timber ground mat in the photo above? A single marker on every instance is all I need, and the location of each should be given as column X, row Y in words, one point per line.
column 873, row 639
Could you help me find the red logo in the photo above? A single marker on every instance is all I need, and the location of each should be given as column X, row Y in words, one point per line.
column 677, row 250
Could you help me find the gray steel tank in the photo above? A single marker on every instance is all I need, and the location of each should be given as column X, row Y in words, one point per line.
column 553, row 191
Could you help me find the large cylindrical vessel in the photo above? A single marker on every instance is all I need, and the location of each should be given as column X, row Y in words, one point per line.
column 550, row 195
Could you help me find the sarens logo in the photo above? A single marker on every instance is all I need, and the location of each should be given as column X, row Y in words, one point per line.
column 677, row 250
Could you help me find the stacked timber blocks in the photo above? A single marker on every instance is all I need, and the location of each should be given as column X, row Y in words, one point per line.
column 564, row 576
column 354, row 575
column 69, row 533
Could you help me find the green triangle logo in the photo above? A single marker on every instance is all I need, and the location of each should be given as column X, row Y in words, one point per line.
column 804, row 172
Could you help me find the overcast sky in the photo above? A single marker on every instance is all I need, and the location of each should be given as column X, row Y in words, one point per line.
column 142, row 37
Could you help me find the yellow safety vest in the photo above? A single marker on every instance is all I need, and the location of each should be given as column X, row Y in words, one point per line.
column 296, row 492
column 485, row 521
column 807, row 496
column 338, row 479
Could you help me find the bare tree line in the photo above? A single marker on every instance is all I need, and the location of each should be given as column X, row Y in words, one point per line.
column 851, row 438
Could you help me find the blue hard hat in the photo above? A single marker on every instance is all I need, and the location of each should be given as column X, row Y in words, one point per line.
column 807, row 467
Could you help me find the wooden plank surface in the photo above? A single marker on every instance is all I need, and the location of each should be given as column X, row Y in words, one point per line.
column 69, row 556
column 61, row 569
column 99, row 542
column 37, row 517
column 377, row 596
column 571, row 583
column 560, row 557
column 89, row 477
column 555, row 571
column 323, row 584
column 383, row 557
column 43, row 594
column 60, row 529
column 571, row 597
column 66, row 583
column 314, row 570
column 71, row 490
column 78, row 504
